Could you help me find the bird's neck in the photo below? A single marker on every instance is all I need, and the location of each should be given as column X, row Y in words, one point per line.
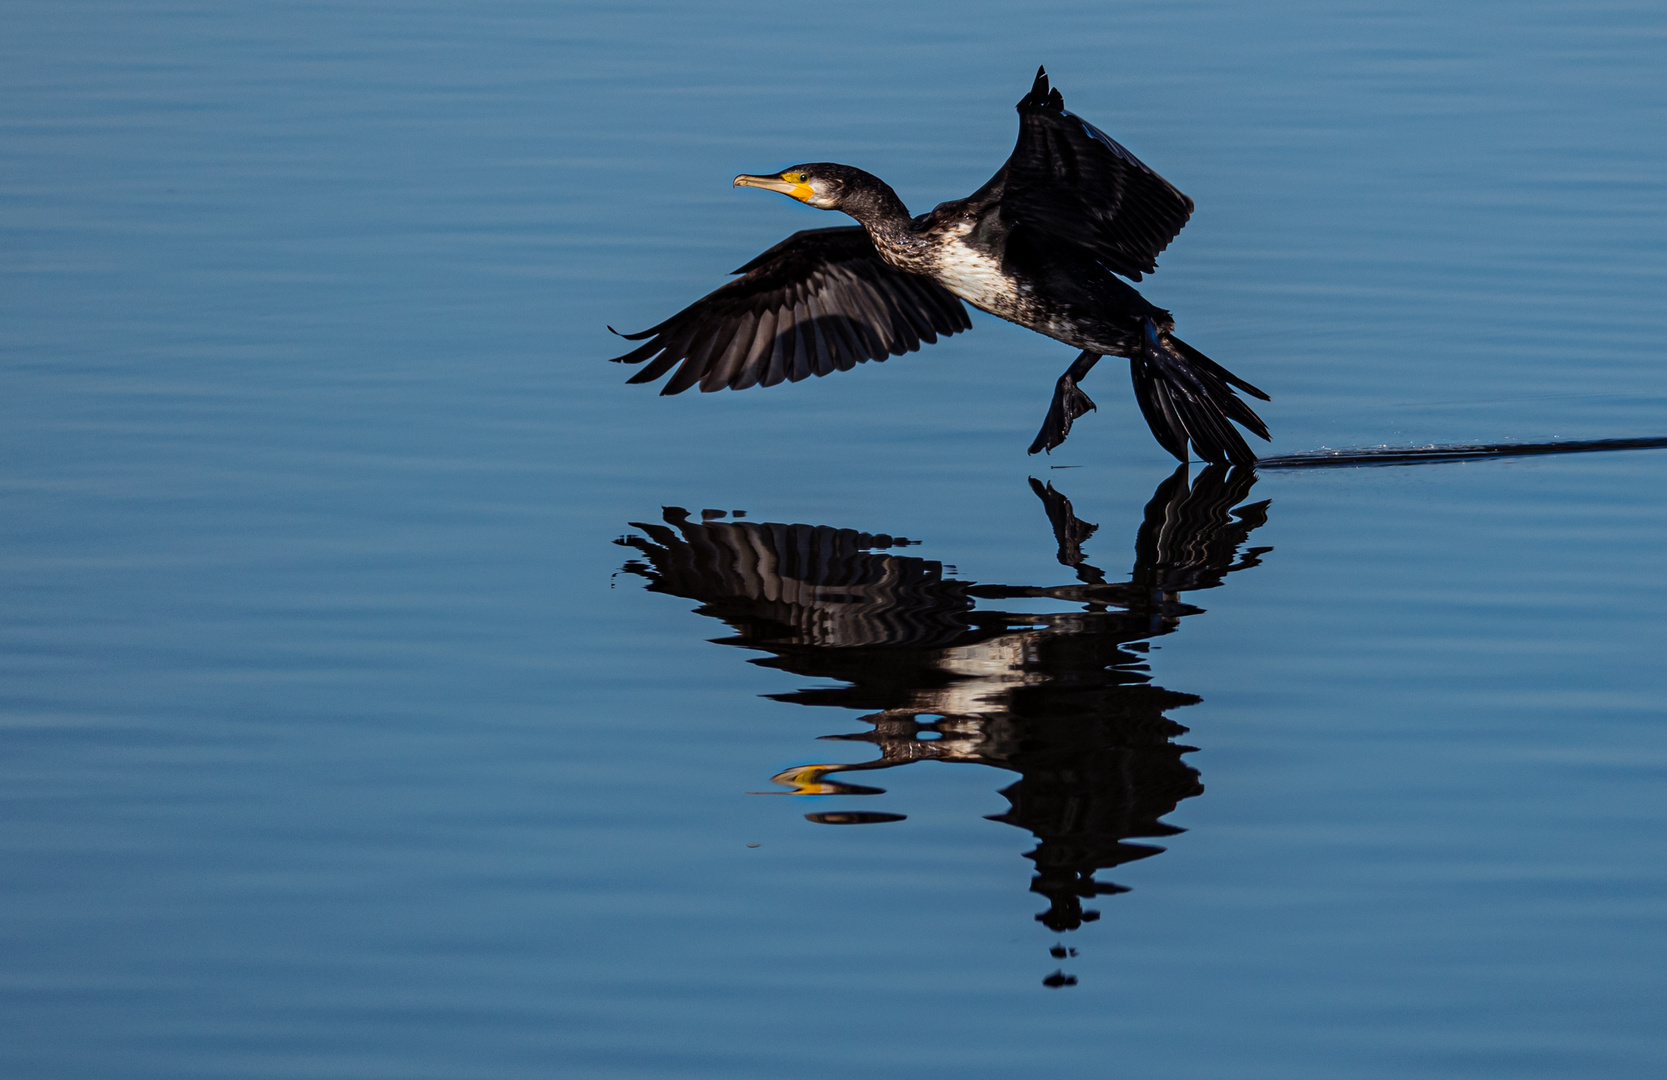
column 887, row 220
column 878, row 208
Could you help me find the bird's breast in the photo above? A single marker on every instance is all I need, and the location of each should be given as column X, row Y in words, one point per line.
column 975, row 276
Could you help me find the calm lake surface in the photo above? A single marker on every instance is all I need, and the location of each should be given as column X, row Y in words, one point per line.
column 378, row 700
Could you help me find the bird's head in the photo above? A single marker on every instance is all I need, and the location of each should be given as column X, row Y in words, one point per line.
column 821, row 184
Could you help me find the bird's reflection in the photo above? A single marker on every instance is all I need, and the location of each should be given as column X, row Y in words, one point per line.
column 954, row 671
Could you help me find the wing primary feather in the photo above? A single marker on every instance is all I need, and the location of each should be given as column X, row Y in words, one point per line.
column 639, row 335
column 656, row 369
column 823, row 359
column 851, row 351
column 639, row 354
column 802, row 360
column 695, row 363
column 757, row 359
column 869, row 319
column 916, row 309
column 903, row 336
column 676, row 344
column 845, row 316
column 722, row 370
column 781, row 348
column 877, row 326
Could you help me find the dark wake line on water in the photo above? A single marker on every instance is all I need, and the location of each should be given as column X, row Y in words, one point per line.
column 1417, row 455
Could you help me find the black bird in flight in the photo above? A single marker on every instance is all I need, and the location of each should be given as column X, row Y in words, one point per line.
column 1041, row 244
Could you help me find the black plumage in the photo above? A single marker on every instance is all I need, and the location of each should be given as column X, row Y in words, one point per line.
column 1073, row 182
column 822, row 300
column 1041, row 244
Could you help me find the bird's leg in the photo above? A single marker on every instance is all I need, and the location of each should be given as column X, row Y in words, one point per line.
column 1068, row 404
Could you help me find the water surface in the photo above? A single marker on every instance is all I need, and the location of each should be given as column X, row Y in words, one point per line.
column 343, row 737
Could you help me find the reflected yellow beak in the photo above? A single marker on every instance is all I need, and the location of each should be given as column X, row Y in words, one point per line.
column 807, row 780
column 800, row 191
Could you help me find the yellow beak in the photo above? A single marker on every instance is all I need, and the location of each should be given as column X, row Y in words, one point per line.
column 799, row 191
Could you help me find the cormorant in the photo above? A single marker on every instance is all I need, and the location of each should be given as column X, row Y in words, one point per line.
column 1041, row 245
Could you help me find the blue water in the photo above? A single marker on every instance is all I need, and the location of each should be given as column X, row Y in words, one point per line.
column 342, row 739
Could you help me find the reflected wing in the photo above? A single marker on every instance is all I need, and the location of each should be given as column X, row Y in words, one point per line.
column 1076, row 184
column 803, row 586
column 821, row 300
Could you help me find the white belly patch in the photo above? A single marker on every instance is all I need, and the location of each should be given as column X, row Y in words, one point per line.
column 975, row 276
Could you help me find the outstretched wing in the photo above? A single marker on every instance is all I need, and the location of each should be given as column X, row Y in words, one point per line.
column 1071, row 181
column 822, row 300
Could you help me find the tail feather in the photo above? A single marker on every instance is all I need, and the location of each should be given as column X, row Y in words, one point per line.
column 1214, row 368
column 1159, row 411
column 1187, row 397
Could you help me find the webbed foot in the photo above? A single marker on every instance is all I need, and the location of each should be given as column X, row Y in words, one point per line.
column 1069, row 402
